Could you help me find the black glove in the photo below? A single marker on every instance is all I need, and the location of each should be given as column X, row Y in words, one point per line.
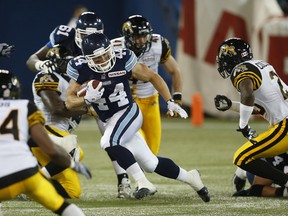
column 248, row 133
column 178, row 100
column 222, row 102
column 81, row 168
column 6, row 50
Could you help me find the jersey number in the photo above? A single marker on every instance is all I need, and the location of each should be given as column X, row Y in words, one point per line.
column 283, row 91
column 118, row 95
column 64, row 30
column 10, row 126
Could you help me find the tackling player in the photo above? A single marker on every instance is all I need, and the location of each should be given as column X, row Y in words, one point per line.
column 261, row 92
column 259, row 186
column 20, row 119
column 262, row 186
column 49, row 92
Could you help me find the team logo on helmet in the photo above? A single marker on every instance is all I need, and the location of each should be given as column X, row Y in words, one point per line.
column 127, row 26
column 227, row 50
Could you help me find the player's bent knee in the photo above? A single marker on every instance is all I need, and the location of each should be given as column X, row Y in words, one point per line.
column 149, row 166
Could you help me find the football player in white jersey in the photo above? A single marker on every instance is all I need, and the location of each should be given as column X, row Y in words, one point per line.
column 151, row 50
column 261, row 92
column 49, row 92
column 108, row 91
column 19, row 173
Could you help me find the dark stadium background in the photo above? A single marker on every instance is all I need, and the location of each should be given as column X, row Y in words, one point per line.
column 28, row 23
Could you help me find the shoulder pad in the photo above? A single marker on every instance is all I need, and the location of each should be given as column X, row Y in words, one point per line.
column 246, row 70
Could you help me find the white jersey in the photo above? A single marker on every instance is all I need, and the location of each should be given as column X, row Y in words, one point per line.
column 271, row 93
column 16, row 117
column 158, row 53
column 54, row 82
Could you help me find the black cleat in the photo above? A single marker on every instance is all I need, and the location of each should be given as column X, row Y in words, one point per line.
column 238, row 183
column 204, row 194
column 143, row 192
column 241, row 193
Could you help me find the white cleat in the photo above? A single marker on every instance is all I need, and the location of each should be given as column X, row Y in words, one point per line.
column 198, row 185
column 143, row 189
column 124, row 189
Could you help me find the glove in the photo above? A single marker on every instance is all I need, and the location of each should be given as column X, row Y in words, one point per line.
column 248, row 133
column 6, row 50
column 177, row 97
column 175, row 108
column 93, row 94
column 81, row 168
column 222, row 103
column 47, row 66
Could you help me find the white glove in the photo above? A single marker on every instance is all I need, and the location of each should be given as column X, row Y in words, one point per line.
column 174, row 107
column 47, row 66
column 81, row 168
column 92, row 95
column 6, row 50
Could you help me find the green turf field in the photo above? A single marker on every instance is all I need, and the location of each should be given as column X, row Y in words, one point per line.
column 208, row 148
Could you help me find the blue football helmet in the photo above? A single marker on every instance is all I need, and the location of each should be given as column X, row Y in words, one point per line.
column 9, row 85
column 134, row 27
column 99, row 52
column 87, row 23
column 231, row 52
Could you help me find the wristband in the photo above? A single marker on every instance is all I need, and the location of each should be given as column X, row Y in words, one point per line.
column 177, row 96
column 245, row 113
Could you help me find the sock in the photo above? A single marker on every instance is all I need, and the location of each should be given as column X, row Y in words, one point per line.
column 167, row 168
column 123, row 156
column 121, row 176
column 263, row 169
column 240, row 173
column 183, row 176
column 256, row 190
column 72, row 210
column 281, row 192
column 136, row 172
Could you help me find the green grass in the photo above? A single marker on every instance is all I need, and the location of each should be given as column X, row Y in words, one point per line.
column 209, row 148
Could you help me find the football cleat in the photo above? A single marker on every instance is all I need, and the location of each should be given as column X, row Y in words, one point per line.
column 23, row 197
column 144, row 188
column 198, row 185
column 239, row 184
column 241, row 193
column 124, row 189
column 204, row 194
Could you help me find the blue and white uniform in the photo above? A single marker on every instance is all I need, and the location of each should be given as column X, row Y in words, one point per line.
column 116, row 108
column 64, row 35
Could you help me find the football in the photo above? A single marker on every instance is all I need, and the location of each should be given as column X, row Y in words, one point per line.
column 82, row 89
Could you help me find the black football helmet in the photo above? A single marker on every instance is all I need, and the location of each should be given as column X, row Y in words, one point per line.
column 87, row 23
column 99, row 52
column 231, row 52
column 134, row 27
column 10, row 85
